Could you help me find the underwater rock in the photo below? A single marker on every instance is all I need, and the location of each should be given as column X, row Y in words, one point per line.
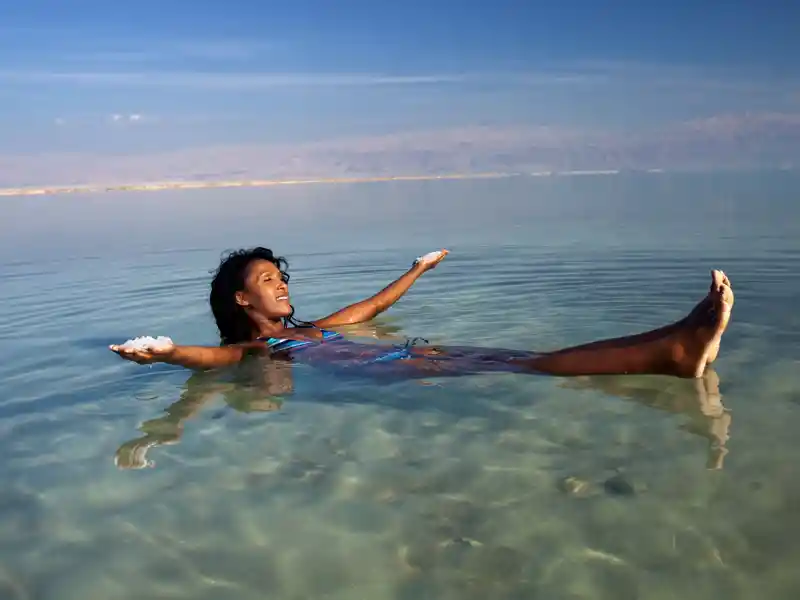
column 618, row 485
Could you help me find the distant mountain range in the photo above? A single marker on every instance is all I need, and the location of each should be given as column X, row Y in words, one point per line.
column 739, row 141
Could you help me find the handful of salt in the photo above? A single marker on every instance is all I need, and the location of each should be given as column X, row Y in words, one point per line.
column 429, row 257
column 147, row 342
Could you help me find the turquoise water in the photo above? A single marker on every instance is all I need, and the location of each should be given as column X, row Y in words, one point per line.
column 275, row 483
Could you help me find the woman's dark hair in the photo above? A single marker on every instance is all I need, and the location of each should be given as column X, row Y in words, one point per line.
column 232, row 321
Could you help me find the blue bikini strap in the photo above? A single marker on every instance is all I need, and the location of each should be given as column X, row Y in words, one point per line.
column 287, row 343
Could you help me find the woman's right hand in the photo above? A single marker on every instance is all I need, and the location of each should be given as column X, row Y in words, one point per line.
column 431, row 259
column 145, row 356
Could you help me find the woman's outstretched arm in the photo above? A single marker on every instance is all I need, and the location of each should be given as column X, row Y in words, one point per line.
column 368, row 309
column 190, row 357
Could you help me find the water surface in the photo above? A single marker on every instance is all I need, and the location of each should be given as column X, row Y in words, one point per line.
column 272, row 483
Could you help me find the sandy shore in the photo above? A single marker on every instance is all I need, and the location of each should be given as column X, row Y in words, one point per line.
column 251, row 183
column 196, row 185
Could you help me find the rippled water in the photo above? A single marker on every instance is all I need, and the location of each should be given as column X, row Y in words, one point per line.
column 267, row 483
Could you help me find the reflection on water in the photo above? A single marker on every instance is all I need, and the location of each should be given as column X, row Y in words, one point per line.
column 262, row 385
column 699, row 400
column 267, row 382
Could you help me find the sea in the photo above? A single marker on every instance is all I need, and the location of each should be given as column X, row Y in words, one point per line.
column 123, row 481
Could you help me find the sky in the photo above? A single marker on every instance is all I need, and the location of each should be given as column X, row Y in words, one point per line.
column 98, row 91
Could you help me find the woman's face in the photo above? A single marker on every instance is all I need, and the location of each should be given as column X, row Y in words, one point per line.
column 265, row 292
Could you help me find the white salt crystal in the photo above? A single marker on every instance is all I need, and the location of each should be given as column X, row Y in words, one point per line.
column 429, row 257
column 148, row 343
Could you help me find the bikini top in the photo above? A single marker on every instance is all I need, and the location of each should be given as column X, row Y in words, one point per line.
column 279, row 344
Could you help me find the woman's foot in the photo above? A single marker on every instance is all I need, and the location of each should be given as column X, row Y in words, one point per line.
column 696, row 342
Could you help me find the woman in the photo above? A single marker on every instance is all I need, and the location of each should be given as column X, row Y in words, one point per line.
column 250, row 302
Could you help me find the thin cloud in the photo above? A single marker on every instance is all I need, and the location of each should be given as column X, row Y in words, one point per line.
column 684, row 80
column 686, row 77
column 130, row 118
column 158, row 52
column 222, row 80
column 260, row 80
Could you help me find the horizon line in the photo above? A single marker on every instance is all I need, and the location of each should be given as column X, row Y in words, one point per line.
column 166, row 185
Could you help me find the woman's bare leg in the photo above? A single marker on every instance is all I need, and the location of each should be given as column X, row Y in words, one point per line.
column 682, row 349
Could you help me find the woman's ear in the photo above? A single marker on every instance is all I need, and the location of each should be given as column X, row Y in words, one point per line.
column 240, row 299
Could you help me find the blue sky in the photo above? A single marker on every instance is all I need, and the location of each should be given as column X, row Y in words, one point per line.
column 174, row 76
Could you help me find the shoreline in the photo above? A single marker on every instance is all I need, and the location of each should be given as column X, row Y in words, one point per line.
column 244, row 183
column 88, row 188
